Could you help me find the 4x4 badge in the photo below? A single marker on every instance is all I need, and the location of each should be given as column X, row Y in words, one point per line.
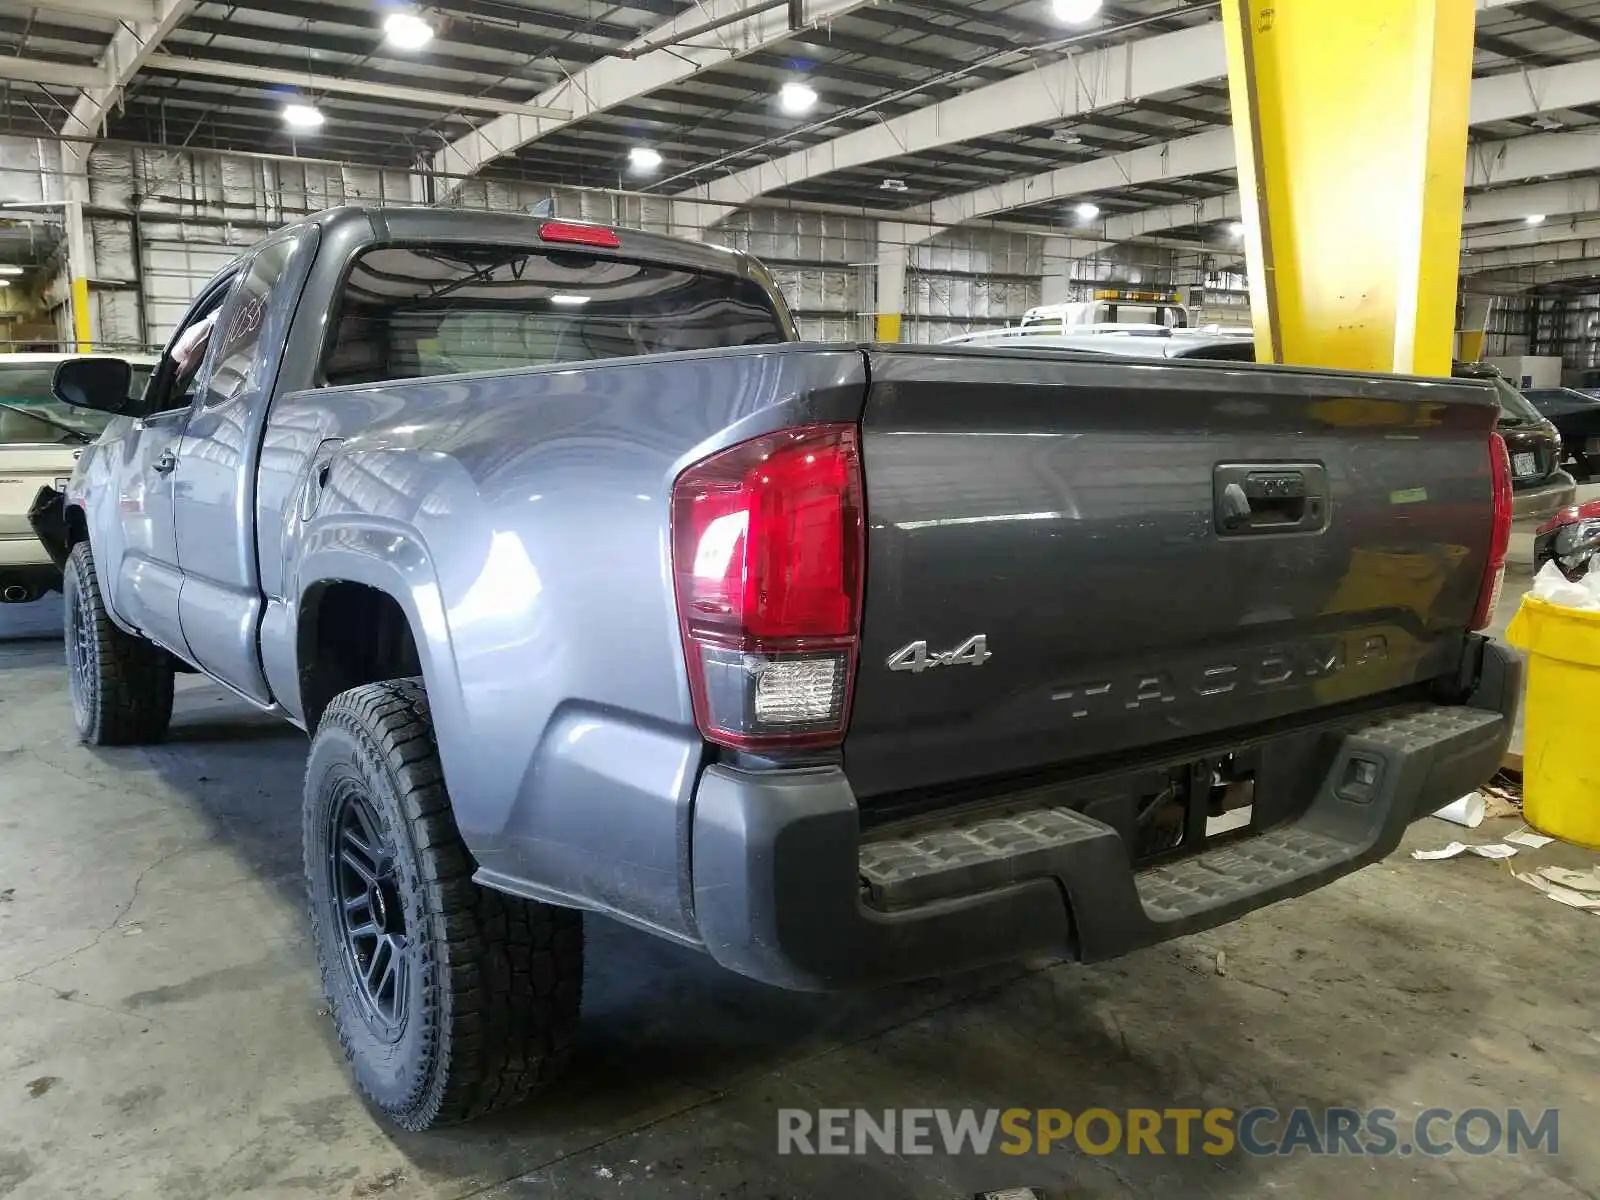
column 916, row 657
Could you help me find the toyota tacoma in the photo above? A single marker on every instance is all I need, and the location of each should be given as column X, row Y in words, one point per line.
column 599, row 593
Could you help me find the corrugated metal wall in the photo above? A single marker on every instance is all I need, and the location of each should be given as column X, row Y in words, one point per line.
column 194, row 211
column 965, row 280
column 825, row 265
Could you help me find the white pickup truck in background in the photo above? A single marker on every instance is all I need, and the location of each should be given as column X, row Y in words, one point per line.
column 40, row 439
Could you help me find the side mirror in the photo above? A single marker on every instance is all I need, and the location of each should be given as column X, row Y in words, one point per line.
column 98, row 383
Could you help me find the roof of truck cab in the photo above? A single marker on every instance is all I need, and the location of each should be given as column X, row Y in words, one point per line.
column 415, row 222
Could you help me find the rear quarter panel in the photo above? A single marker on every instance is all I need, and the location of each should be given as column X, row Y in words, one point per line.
column 522, row 520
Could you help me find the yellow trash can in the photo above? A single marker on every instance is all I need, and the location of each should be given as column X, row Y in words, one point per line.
column 1561, row 719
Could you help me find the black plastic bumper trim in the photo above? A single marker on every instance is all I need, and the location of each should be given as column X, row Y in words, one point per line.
column 776, row 865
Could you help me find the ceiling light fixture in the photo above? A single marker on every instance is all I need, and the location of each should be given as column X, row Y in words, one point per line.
column 643, row 159
column 1074, row 12
column 302, row 116
column 10, row 270
column 5, row 283
column 568, row 301
column 1086, row 211
column 1236, row 229
column 894, row 185
column 1067, row 137
column 1534, row 218
column 406, row 31
column 796, row 98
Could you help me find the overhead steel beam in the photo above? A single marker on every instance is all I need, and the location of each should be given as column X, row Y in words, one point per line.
column 1578, row 248
column 1197, row 155
column 1548, row 234
column 1510, row 161
column 1520, row 278
column 613, row 81
column 114, row 10
column 1559, row 197
column 131, row 45
column 49, row 74
column 425, row 97
column 1073, row 87
column 1213, row 151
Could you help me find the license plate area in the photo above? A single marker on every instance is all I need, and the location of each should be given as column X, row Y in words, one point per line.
column 1524, row 463
column 1182, row 808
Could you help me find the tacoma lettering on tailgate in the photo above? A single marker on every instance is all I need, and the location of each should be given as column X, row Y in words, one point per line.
column 1260, row 670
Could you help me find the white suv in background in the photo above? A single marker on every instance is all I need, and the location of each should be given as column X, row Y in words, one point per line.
column 39, row 443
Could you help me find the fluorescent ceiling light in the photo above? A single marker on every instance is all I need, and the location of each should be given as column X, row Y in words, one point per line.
column 406, row 31
column 302, row 116
column 1535, row 218
column 5, row 283
column 568, row 301
column 1086, row 211
column 1236, row 229
column 10, row 270
column 796, row 98
column 1074, row 12
column 642, row 158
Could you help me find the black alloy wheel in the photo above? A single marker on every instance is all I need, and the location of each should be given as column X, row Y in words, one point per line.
column 366, row 887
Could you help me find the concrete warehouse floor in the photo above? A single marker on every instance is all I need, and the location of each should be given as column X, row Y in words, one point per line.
column 162, row 1031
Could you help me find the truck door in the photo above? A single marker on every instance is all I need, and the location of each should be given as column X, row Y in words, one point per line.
column 217, row 466
column 149, row 580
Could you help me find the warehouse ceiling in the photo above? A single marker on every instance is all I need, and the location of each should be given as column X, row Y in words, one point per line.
column 564, row 91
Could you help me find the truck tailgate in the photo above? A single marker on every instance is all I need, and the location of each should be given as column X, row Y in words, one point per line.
column 1150, row 552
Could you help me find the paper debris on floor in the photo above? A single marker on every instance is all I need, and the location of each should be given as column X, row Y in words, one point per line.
column 1582, row 881
column 1564, row 895
column 1502, row 796
column 1530, row 839
column 1495, row 850
column 1466, row 811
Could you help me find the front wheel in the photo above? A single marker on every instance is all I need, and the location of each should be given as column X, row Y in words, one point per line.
column 450, row 1000
column 121, row 685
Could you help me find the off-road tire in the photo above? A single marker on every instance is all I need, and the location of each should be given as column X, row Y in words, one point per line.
column 121, row 685
column 494, row 983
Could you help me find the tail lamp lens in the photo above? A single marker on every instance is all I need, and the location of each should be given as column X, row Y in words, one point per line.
column 768, row 550
column 1494, row 572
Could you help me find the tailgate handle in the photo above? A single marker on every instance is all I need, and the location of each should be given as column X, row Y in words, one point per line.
column 1261, row 498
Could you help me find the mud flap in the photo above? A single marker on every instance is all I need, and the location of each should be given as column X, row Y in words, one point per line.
column 48, row 516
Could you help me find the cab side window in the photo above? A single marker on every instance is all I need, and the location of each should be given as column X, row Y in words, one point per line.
column 177, row 377
column 240, row 364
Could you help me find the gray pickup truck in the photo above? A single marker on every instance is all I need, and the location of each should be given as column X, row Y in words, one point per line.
column 598, row 592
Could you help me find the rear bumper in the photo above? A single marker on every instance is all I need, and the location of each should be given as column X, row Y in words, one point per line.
column 778, row 859
column 1545, row 498
column 22, row 550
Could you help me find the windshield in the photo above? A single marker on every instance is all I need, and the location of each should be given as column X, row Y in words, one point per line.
column 1515, row 409
column 29, row 414
column 408, row 313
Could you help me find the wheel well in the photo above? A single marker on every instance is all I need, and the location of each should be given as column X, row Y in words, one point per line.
column 77, row 527
column 350, row 634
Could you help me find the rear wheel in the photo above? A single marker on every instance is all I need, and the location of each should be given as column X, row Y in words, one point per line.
column 121, row 685
column 450, row 1000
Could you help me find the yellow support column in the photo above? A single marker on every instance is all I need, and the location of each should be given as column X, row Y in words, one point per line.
column 1350, row 121
column 82, row 327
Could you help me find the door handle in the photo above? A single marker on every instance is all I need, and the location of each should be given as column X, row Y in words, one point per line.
column 1257, row 498
column 166, row 463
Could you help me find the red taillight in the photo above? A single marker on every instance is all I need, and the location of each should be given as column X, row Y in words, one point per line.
column 1494, row 572
column 579, row 235
column 768, row 552
column 1579, row 512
